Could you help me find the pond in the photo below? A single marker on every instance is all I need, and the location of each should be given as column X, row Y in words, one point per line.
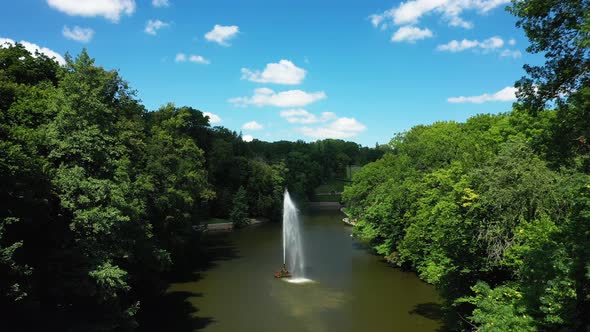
column 352, row 290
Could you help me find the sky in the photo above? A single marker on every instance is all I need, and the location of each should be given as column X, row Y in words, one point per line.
column 359, row 70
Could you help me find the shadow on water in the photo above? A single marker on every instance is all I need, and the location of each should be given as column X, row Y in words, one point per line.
column 218, row 249
column 432, row 311
column 173, row 310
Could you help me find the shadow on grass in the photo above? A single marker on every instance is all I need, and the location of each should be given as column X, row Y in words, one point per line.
column 173, row 310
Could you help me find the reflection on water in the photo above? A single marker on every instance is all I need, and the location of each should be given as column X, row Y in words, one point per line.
column 307, row 306
column 348, row 288
column 298, row 280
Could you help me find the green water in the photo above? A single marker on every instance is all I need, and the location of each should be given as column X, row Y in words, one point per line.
column 352, row 289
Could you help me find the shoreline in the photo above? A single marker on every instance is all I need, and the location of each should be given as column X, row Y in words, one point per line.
column 229, row 227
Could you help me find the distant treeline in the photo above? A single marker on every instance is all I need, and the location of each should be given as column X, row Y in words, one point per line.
column 99, row 197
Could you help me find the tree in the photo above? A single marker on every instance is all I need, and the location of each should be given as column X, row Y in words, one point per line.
column 175, row 178
column 499, row 309
column 561, row 30
column 239, row 212
column 94, row 180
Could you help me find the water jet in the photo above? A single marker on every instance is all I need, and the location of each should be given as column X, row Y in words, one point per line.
column 292, row 245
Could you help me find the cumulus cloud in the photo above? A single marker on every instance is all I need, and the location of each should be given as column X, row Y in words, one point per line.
column 83, row 35
column 109, row 9
column 283, row 72
column 221, row 34
column 198, row 59
column 252, row 125
column 511, row 54
column 410, row 34
column 490, row 45
column 181, row 57
column 160, row 3
column 339, row 128
column 504, row 95
column 247, row 138
column 32, row 48
column 304, row 117
column 268, row 97
column 412, row 11
column 465, row 44
column 213, row 118
column 152, row 26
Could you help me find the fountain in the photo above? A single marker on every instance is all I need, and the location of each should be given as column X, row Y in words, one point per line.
column 292, row 247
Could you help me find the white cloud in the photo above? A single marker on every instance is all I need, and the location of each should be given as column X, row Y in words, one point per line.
column 410, row 12
column 181, row 57
column 109, row 9
column 511, row 54
column 465, row 44
column 284, row 72
column 83, row 35
column 160, row 3
column 252, row 125
column 213, row 118
column 512, row 42
column 504, row 95
column 198, row 59
column 304, row 117
column 5, row 42
column 268, row 97
column 459, row 22
column 340, row 128
column 247, row 138
column 376, row 19
column 410, row 34
column 152, row 26
column 221, row 34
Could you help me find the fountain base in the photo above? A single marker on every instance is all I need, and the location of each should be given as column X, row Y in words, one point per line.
column 283, row 273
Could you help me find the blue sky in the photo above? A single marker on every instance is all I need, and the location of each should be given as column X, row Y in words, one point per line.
column 307, row 69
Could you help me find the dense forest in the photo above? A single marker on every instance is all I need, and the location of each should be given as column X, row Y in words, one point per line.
column 100, row 197
column 496, row 211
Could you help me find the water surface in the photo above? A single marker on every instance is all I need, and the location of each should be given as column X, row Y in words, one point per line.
column 352, row 289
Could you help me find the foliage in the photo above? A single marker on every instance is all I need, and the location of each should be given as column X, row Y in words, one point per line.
column 101, row 198
column 239, row 212
column 499, row 309
column 560, row 30
column 505, row 239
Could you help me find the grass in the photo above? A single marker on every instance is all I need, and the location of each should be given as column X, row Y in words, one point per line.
column 217, row 221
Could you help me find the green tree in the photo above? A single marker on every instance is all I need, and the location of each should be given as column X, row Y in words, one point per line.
column 94, row 181
column 239, row 212
column 499, row 309
column 560, row 29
